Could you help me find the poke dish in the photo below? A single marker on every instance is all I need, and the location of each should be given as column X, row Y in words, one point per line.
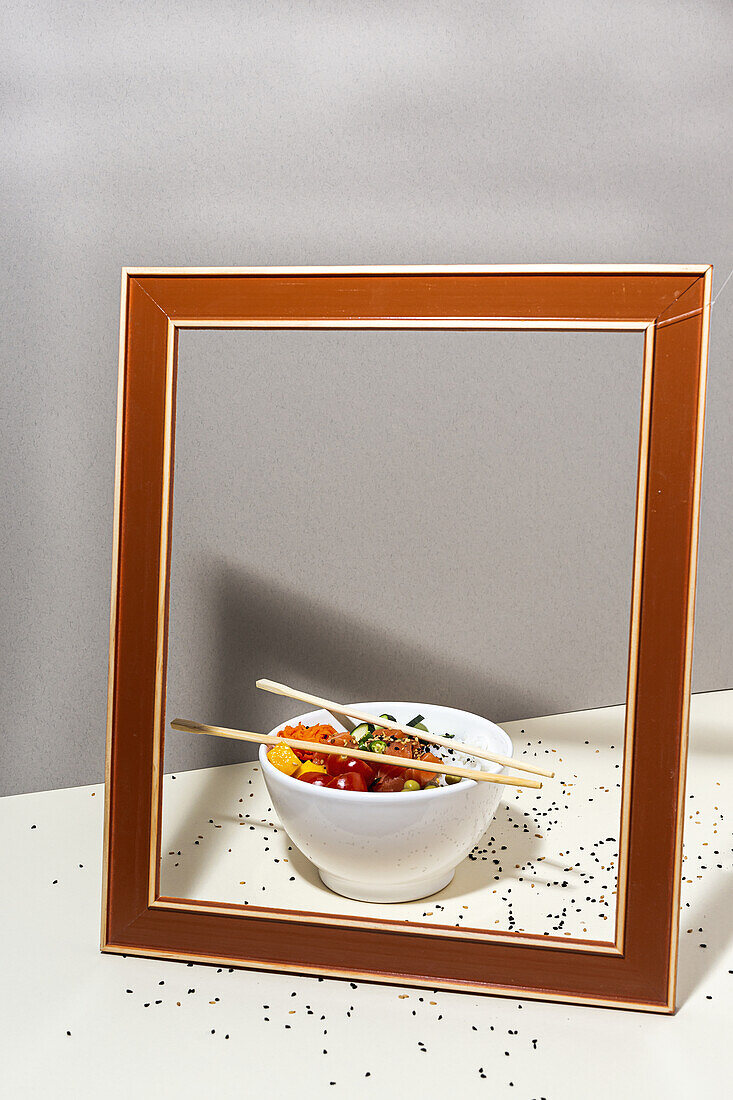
column 405, row 844
column 390, row 833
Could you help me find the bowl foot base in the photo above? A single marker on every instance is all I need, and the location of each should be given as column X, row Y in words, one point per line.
column 389, row 892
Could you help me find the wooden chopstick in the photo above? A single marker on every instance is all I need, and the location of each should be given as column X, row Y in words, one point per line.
column 410, row 731
column 186, row 726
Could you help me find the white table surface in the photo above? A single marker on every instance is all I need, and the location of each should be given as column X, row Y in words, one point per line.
column 76, row 1023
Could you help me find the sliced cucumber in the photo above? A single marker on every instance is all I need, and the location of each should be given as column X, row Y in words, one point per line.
column 416, row 722
column 389, row 717
column 362, row 731
column 420, row 726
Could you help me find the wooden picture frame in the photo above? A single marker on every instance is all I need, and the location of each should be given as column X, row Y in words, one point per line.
column 671, row 306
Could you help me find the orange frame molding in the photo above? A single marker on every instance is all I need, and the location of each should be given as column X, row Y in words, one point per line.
column 671, row 306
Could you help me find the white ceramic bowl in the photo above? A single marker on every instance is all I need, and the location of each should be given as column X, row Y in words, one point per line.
column 390, row 847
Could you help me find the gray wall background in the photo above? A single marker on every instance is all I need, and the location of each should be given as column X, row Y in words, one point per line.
column 323, row 133
column 401, row 515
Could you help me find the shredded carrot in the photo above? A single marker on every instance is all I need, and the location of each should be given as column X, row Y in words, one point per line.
column 308, row 733
column 300, row 732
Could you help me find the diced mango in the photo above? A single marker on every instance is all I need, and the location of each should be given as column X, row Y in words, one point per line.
column 309, row 766
column 284, row 759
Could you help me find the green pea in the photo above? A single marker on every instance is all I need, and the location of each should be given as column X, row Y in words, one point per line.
column 378, row 746
column 430, row 786
column 451, row 779
column 411, row 785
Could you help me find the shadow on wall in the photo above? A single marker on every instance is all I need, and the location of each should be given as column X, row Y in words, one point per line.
column 265, row 629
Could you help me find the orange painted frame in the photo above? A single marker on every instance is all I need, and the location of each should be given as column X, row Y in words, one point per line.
column 671, row 304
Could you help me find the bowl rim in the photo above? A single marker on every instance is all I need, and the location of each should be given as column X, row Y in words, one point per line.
column 455, row 790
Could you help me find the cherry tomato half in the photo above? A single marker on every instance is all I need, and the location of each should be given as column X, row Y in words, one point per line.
column 316, row 779
column 348, row 781
column 390, row 770
column 336, row 763
column 360, row 766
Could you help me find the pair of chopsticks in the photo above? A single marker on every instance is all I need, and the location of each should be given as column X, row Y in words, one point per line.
column 338, row 710
column 186, row 726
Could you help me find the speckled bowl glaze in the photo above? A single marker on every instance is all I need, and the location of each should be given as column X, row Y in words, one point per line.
column 390, row 847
